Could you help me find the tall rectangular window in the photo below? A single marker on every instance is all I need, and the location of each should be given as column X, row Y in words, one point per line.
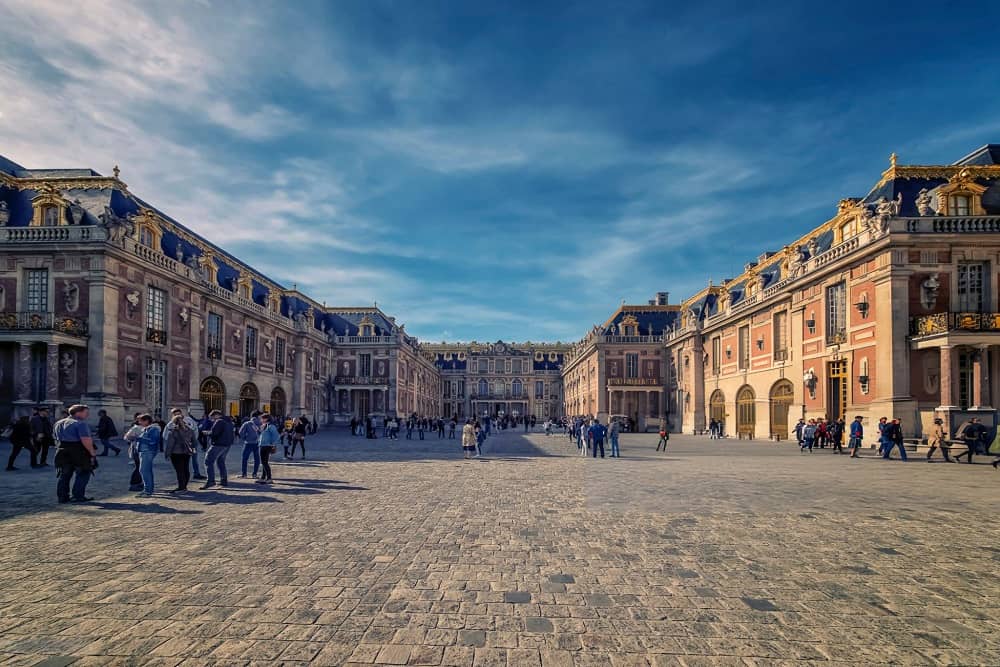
column 251, row 347
column 716, row 354
column 461, row 388
column 539, row 389
column 743, row 348
column 447, row 388
column 970, row 287
column 156, row 315
column 213, row 343
column 156, row 387
column 365, row 366
column 279, row 355
column 836, row 313
column 484, row 366
column 631, row 365
column 36, row 297
column 780, row 335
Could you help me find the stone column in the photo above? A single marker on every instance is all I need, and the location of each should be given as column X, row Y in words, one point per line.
column 102, row 350
column 52, row 376
column 947, row 378
column 981, row 379
column 24, row 372
column 299, row 397
column 196, row 324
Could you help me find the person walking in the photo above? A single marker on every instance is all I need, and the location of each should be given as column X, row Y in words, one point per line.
column 597, row 433
column 148, row 446
column 582, row 438
column 857, row 436
column 894, row 438
column 971, row 434
column 267, row 443
column 799, row 428
column 936, row 439
column 42, row 435
column 883, row 426
column 20, row 438
column 613, row 430
column 179, row 447
column 452, row 427
column 249, row 435
column 75, row 455
column 221, row 437
column 664, row 439
column 836, row 434
column 299, row 427
column 105, row 431
column 468, row 439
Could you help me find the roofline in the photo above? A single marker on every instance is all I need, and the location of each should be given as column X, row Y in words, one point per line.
column 645, row 308
column 958, row 162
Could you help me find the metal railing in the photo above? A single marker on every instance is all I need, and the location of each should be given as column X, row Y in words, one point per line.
column 938, row 323
column 35, row 321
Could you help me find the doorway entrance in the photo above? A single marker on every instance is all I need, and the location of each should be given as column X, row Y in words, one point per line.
column 746, row 412
column 782, row 394
column 836, row 402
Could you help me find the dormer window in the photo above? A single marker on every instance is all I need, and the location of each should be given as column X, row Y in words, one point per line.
column 959, row 205
column 367, row 330
column 630, row 330
column 146, row 236
column 245, row 292
column 50, row 216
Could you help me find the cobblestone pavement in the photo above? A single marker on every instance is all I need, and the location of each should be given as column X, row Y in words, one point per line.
column 716, row 552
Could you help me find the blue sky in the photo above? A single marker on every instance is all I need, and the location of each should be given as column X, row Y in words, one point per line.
column 496, row 170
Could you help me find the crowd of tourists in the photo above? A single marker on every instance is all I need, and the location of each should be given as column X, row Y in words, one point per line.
column 972, row 437
column 179, row 440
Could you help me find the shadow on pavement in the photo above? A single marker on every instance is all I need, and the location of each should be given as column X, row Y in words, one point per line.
column 142, row 508
column 506, row 445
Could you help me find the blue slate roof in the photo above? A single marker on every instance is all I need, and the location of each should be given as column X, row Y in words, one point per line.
column 452, row 364
column 546, row 365
column 736, row 292
column 94, row 200
column 706, row 306
column 988, row 154
column 348, row 323
column 772, row 272
column 651, row 322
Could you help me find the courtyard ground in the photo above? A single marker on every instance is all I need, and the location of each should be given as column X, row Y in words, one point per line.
column 399, row 552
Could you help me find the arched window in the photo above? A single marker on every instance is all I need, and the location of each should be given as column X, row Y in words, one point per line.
column 782, row 395
column 212, row 394
column 278, row 402
column 746, row 412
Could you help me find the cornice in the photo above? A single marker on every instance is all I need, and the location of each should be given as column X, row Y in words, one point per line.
column 64, row 182
column 937, row 171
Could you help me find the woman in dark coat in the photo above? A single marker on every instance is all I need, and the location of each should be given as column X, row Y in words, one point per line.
column 20, row 438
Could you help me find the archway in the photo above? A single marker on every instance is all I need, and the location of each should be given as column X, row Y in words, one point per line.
column 717, row 407
column 746, row 412
column 249, row 399
column 212, row 394
column 278, row 403
column 782, row 395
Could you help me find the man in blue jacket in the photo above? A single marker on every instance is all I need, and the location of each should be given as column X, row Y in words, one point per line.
column 597, row 432
column 857, row 435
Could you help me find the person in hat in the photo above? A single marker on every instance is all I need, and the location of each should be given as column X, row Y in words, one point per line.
column 937, row 439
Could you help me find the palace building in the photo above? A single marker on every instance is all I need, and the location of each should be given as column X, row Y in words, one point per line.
column 500, row 379
column 105, row 299
column 621, row 369
column 890, row 308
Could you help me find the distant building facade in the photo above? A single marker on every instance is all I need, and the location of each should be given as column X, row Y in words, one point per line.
column 500, row 379
column 621, row 369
